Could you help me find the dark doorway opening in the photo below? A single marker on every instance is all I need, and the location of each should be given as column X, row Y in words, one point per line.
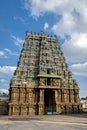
column 49, row 101
column 48, row 81
column 48, row 71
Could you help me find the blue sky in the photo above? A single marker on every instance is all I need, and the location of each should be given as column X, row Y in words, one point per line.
column 67, row 19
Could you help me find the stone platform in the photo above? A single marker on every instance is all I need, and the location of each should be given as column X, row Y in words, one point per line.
column 70, row 122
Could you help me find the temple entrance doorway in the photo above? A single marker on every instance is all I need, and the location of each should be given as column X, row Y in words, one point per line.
column 49, row 102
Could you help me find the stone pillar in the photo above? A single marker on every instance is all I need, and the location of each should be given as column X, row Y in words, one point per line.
column 16, row 109
column 17, row 95
column 59, row 109
column 23, row 110
column 56, row 99
column 58, row 92
column 69, row 95
column 76, row 95
column 72, row 96
column 69, row 108
column 14, row 95
column 27, row 95
column 36, row 101
column 41, row 102
column 31, row 102
column 36, row 96
column 30, row 96
column 56, row 96
column 62, row 94
column 22, row 94
column 65, row 95
column 59, row 96
column 41, row 96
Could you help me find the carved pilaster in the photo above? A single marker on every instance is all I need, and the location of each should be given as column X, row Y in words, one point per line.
column 23, row 110
column 42, row 82
column 31, row 100
column 22, row 94
column 55, row 82
column 41, row 102
column 41, row 96
column 65, row 95
column 62, row 94
column 14, row 94
column 59, row 95
column 27, row 95
column 41, row 109
column 72, row 96
column 56, row 96
column 69, row 95
column 56, row 99
column 76, row 95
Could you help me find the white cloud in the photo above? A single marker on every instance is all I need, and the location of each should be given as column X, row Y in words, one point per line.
column 7, row 70
column 40, row 7
column 65, row 26
column 6, row 73
column 2, row 80
column 2, row 54
column 21, row 19
column 79, row 69
column 73, row 22
column 4, row 90
column 10, row 52
column 18, row 41
column 46, row 26
column 73, row 14
column 75, row 49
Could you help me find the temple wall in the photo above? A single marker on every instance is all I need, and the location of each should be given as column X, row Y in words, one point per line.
column 32, row 101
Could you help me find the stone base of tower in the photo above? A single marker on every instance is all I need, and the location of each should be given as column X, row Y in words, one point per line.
column 22, row 109
column 31, row 109
column 69, row 108
column 30, row 101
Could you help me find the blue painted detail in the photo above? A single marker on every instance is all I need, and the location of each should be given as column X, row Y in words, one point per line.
column 54, row 113
column 51, row 113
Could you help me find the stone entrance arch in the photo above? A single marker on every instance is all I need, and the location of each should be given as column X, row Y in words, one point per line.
column 49, row 101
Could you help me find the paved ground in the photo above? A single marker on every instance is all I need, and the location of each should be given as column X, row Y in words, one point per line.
column 51, row 122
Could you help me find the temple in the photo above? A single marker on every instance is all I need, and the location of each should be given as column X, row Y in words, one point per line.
column 42, row 83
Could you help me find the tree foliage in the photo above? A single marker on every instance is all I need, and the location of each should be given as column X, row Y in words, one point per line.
column 84, row 98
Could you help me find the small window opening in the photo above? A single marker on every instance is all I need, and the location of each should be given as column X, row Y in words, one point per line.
column 48, row 71
column 48, row 81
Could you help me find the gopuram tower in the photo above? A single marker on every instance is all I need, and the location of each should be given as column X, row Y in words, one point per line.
column 42, row 83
